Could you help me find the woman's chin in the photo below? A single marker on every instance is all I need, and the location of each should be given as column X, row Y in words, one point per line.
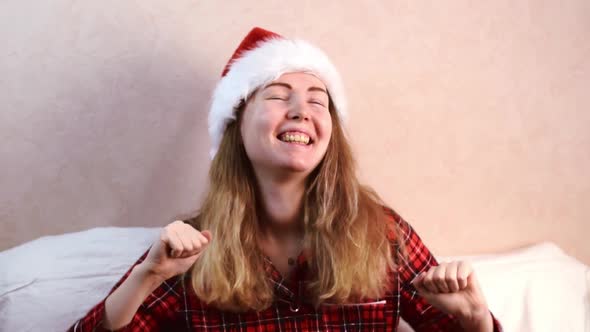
column 297, row 166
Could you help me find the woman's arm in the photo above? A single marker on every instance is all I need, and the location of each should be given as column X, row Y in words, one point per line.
column 147, row 295
column 423, row 316
column 453, row 288
column 144, row 316
column 122, row 304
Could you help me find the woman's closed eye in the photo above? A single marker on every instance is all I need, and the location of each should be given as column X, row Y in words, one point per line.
column 277, row 98
column 317, row 102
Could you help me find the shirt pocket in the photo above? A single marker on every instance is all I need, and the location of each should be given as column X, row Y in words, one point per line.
column 366, row 316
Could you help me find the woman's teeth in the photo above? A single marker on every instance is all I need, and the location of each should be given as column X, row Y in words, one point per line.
column 295, row 138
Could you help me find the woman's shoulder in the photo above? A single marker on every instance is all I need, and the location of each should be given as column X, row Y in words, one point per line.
column 399, row 228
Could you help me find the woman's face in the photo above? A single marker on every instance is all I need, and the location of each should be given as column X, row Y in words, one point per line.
column 286, row 125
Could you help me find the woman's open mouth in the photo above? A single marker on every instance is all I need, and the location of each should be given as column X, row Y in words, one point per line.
column 295, row 138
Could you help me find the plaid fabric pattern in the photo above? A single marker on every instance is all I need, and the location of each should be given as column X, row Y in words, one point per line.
column 174, row 306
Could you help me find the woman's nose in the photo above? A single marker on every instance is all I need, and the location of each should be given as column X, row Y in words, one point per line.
column 298, row 110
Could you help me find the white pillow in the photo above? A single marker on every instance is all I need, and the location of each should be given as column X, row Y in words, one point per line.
column 538, row 288
column 49, row 283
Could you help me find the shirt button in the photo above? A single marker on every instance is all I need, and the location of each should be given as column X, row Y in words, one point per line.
column 293, row 307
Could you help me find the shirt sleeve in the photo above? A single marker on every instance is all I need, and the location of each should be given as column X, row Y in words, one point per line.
column 412, row 259
column 156, row 313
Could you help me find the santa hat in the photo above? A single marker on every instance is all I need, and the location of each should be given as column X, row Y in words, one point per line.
column 262, row 57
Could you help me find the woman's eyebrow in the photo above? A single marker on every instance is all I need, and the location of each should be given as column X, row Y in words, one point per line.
column 288, row 86
column 316, row 88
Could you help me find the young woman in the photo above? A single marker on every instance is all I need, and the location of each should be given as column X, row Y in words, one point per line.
column 286, row 238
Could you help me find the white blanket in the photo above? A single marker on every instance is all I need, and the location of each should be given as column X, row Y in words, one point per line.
column 48, row 283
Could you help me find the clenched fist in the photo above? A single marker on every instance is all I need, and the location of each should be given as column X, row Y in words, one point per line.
column 176, row 250
column 453, row 288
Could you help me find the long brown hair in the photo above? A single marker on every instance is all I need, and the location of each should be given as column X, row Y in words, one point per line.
column 346, row 230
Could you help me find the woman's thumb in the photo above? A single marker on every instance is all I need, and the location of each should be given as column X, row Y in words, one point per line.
column 207, row 234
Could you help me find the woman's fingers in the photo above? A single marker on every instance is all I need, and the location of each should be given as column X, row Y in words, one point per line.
column 207, row 235
column 417, row 282
column 176, row 250
column 439, row 279
column 428, row 281
column 187, row 244
column 451, row 277
column 172, row 241
column 184, row 240
column 444, row 278
column 201, row 239
column 464, row 270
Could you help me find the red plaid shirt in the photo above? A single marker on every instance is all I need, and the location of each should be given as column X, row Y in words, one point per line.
column 174, row 307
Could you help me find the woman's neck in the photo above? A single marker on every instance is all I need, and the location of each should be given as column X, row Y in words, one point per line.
column 281, row 222
column 282, row 206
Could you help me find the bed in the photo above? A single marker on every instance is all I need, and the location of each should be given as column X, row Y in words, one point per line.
column 48, row 283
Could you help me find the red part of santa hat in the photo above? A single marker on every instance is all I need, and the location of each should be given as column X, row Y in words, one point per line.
column 255, row 36
column 262, row 57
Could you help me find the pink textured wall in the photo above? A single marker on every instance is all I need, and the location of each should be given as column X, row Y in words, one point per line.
column 471, row 119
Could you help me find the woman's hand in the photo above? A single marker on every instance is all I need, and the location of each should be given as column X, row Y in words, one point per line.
column 453, row 288
column 176, row 250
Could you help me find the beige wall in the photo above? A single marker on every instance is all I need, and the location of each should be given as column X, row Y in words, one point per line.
column 470, row 118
